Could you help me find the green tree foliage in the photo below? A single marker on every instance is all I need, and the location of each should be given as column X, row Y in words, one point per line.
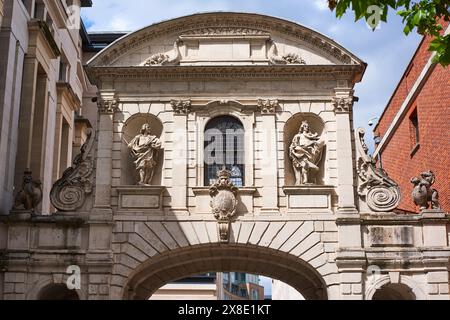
column 423, row 15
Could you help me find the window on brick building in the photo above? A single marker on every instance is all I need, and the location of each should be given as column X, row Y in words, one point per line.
column 414, row 131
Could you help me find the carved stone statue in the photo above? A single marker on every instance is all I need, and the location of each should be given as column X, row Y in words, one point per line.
column 423, row 194
column 381, row 193
column 30, row 196
column 306, row 152
column 224, row 202
column 160, row 59
column 144, row 149
column 290, row 58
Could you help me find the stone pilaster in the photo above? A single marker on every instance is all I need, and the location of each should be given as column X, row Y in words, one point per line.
column 343, row 104
column 269, row 191
column 107, row 106
column 181, row 111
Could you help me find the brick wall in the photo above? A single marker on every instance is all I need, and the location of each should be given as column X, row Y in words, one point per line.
column 433, row 110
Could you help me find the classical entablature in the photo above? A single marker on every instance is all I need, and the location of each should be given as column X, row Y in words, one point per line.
column 225, row 39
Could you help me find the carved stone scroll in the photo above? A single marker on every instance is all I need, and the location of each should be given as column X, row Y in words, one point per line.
column 69, row 192
column 381, row 193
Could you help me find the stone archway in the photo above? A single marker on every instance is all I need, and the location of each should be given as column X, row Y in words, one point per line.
column 181, row 263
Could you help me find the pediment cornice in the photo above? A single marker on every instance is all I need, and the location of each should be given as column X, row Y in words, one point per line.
column 225, row 24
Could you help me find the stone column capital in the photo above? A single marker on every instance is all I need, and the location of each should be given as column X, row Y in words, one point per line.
column 269, row 106
column 107, row 102
column 343, row 100
column 181, row 107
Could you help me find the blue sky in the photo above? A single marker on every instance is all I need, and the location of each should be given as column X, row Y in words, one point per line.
column 387, row 50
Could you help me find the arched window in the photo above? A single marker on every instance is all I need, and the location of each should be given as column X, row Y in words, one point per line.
column 224, row 148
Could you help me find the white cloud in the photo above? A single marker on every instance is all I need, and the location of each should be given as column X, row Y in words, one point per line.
column 322, row 5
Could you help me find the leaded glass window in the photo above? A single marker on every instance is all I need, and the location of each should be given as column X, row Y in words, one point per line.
column 224, row 148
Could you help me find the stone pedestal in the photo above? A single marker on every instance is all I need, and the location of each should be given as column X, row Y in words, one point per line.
column 140, row 199
column 309, row 198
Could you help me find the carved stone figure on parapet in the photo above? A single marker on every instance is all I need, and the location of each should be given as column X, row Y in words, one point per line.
column 30, row 196
column 306, row 152
column 160, row 59
column 423, row 193
column 144, row 148
column 381, row 193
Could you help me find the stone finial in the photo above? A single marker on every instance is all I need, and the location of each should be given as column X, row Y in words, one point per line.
column 30, row 196
column 224, row 203
column 181, row 107
column 381, row 193
column 423, row 194
column 268, row 106
column 69, row 192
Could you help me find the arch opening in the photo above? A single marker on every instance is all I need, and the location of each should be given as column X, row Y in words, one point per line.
column 57, row 292
column 394, row 292
column 182, row 263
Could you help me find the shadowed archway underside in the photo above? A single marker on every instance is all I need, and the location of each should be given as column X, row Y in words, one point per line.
column 182, row 263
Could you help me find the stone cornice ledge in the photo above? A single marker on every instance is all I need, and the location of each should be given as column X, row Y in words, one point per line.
column 65, row 219
column 242, row 191
column 325, row 72
column 397, row 219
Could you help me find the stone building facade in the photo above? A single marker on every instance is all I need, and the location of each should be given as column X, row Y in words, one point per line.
column 142, row 206
column 414, row 125
column 41, row 90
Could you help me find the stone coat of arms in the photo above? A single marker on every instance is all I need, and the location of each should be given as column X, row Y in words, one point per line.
column 224, row 203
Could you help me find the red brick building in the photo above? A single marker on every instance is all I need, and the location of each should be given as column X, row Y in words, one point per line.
column 415, row 127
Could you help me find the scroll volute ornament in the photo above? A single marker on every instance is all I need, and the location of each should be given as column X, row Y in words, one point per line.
column 381, row 193
column 69, row 193
column 224, row 203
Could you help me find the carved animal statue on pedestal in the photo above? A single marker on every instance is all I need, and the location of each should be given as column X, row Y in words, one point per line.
column 423, row 194
column 30, row 196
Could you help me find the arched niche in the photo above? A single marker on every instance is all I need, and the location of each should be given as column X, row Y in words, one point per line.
column 292, row 128
column 131, row 128
column 57, row 292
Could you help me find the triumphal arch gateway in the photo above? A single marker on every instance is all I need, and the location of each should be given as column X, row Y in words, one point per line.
column 225, row 142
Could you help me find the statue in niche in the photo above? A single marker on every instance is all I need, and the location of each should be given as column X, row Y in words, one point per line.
column 306, row 152
column 144, row 148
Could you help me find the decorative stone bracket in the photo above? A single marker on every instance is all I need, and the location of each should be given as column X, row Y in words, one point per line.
column 224, row 203
column 69, row 193
column 381, row 193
